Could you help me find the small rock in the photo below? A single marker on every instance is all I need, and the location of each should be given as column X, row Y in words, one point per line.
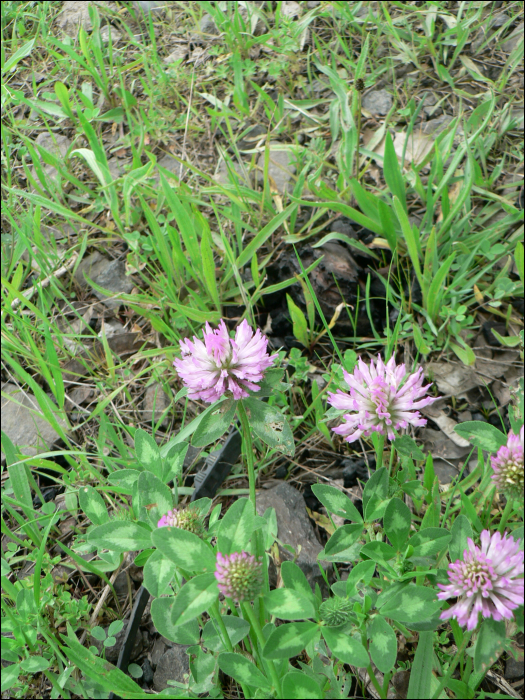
column 172, row 164
column 58, row 145
column 80, row 394
column 155, row 396
column 366, row 8
column 150, row 5
column 121, row 584
column 502, row 393
column 429, row 107
column 73, row 16
column 290, row 9
column 172, row 666
column 116, row 168
column 27, row 429
column 312, row 4
column 115, row 34
column 514, row 667
column 250, row 139
column 207, row 25
column 279, row 168
column 499, row 20
column 294, row 528
column 400, row 681
column 464, row 416
column 433, row 127
column 377, row 102
column 223, row 176
column 110, row 274
column 510, row 44
column 343, row 225
column 111, row 328
column 355, row 468
column 159, row 648
column 489, row 336
column 177, row 54
column 147, row 673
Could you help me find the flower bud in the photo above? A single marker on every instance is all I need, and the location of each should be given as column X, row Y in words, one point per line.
column 239, row 576
column 335, row 611
column 185, row 518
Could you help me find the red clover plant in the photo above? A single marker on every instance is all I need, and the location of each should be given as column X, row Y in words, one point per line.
column 398, row 582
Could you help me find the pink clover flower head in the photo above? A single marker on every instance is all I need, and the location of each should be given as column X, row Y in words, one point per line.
column 239, row 576
column 489, row 580
column 383, row 397
column 507, row 466
column 185, row 519
column 221, row 364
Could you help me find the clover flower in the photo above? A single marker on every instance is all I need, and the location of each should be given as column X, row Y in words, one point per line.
column 384, row 398
column 185, row 519
column 221, row 364
column 488, row 580
column 239, row 576
column 508, row 466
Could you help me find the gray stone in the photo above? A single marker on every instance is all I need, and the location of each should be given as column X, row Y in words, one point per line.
column 155, row 397
column 378, row 102
column 58, row 145
column 151, row 5
column 510, row 44
column 429, row 106
column 172, row 164
column 159, row 648
column 464, row 416
column 172, row 666
column 110, row 274
column 223, row 177
column 290, row 9
column 294, row 528
column 115, row 34
column 514, row 667
column 73, row 16
column 116, row 168
column 499, row 20
column 24, row 423
column 279, row 168
column 433, row 127
column 207, row 25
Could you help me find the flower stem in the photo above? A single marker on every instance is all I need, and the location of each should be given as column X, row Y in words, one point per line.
column 453, row 665
column 248, row 449
column 505, row 516
column 254, row 622
column 215, row 613
column 379, row 450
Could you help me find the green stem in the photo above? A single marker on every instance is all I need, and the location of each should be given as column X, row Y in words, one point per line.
column 215, row 613
column 214, row 610
column 248, row 449
column 506, row 512
column 358, row 131
column 379, row 450
column 453, row 665
column 392, row 451
column 370, row 670
column 254, row 622
column 374, row 681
